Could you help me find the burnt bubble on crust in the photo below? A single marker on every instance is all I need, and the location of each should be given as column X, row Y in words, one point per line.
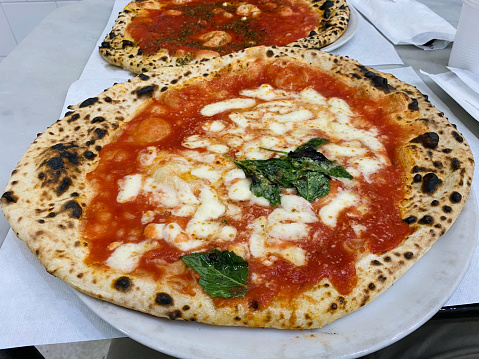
column 164, row 299
column 74, row 207
column 88, row 102
column 146, row 91
column 430, row 183
column 9, row 197
column 428, row 139
column 122, row 284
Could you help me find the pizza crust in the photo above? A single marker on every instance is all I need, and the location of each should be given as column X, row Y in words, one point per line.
column 47, row 194
column 120, row 49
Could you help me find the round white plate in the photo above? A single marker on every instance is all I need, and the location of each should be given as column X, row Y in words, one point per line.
column 410, row 302
column 349, row 33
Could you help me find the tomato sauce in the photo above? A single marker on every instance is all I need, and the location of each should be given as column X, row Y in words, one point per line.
column 331, row 253
column 186, row 28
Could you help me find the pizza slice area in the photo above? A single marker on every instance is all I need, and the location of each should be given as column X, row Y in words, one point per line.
column 159, row 200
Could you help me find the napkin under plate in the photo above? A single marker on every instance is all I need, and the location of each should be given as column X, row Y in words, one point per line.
column 406, row 22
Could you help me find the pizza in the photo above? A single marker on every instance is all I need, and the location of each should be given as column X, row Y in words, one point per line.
column 273, row 187
column 151, row 34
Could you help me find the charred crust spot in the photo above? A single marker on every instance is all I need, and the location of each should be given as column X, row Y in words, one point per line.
column 108, row 99
column 447, row 209
column 88, row 102
column 417, row 178
column 382, row 278
column 387, row 259
column 146, row 91
column 428, row 139
column 455, row 164
column 122, row 284
column 174, row 314
column 430, row 183
column 98, row 119
column 408, row 255
column 74, row 207
column 435, row 203
column 372, row 286
column 375, row 262
column 410, row 220
column 9, row 197
column 105, row 45
column 455, row 197
column 457, row 137
column 64, row 185
column 334, row 306
column 100, row 133
column 186, row 307
column 164, row 299
column 254, row 304
column 126, row 43
column 413, row 106
column 237, row 319
column 41, row 176
column 426, row 220
column 55, row 163
column 51, row 214
column 143, row 77
column 80, row 275
column 74, row 117
column 89, row 155
column 437, row 164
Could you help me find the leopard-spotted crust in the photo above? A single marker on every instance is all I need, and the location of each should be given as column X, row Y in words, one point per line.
column 120, row 49
column 47, row 194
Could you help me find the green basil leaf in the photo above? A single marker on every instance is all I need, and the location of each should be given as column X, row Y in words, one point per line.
column 222, row 274
column 313, row 185
column 305, row 169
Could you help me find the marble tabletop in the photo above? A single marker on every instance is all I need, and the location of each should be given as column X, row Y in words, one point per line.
column 36, row 76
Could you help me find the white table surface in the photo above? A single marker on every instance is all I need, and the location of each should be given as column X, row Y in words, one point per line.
column 35, row 77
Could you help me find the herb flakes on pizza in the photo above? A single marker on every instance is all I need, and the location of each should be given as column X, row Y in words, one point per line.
column 274, row 187
column 151, row 34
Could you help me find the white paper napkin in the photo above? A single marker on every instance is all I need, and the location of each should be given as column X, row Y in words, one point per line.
column 462, row 86
column 369, row 47
column 37, row 308
column 407, row 22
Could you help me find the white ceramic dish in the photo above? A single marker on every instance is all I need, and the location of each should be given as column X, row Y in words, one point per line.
column 410, row 302
column 349, row 33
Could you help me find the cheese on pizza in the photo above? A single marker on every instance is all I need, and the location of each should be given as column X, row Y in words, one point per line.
column 162, row 196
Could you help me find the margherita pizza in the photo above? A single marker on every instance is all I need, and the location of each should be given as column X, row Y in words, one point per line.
column 151, row 34
column 274, row 187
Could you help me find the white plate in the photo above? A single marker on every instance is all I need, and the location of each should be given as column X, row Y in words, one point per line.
column 410, row 302
column 349, row 33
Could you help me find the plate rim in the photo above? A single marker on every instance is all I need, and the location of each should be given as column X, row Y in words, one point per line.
column 353, row 25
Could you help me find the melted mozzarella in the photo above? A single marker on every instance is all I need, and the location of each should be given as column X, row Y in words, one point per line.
column 125, row 257
column 234, row 103
column 129, row 188
column 330, row 212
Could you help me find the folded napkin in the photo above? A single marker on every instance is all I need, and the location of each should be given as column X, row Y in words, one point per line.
column 462, row 86
column 406, row 22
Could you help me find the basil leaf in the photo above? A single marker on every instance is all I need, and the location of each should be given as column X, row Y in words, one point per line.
column 222, row 274
column 305, row 169
column 313, row 185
